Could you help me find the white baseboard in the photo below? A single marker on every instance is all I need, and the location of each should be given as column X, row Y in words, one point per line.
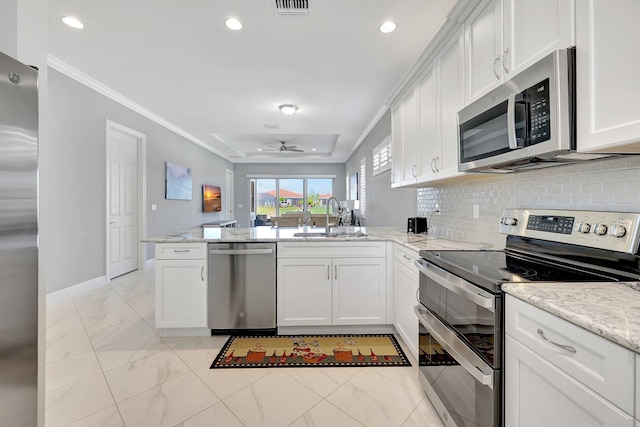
column 150, row 263
column 184, row 332
column 76, row 289
column 337, row 329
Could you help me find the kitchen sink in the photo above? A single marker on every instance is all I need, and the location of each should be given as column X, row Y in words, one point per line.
column 323, row 234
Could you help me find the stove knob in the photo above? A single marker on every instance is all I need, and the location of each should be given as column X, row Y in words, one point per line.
column 617, row 230
column 584, row 227
column 600, row 229
column 509, row 221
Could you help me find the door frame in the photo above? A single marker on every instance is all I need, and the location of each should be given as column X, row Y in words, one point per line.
column 142, row 191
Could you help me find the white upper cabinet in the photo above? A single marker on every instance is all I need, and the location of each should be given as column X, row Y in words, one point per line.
column 410, row 138
column 427, row 148
column 396, row 146
column 429, row 144
column 532, row 29
column 483, row 47
column 503, row 37
column 451, row 101
column 404, row 131
column 608, row 67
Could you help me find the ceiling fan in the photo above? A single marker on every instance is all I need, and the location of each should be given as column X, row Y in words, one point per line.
column 285, row 148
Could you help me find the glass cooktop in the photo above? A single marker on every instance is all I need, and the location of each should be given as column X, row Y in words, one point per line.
column 489, row 269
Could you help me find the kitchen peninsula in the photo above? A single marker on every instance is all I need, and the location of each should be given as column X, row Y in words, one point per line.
column 366, row 283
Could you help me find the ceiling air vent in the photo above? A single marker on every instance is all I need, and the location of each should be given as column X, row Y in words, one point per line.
column 292, row 7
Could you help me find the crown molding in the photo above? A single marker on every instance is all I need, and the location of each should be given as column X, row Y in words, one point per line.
column 102, row 89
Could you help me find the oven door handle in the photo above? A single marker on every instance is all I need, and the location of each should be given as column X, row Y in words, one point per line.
column 470, row 361
column 470, row 292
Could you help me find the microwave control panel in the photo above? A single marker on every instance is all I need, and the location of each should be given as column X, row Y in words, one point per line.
column 539, row 112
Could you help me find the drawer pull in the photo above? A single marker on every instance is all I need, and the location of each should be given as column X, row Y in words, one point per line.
column 562, row 346
column 181, row 251
column 408, row 258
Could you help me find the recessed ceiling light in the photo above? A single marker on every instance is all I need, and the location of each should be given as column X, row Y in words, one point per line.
column 314, row 149
column 259, row 149
column 233, row 24
column 387, row 27
column 288, row 109
column 73, row 22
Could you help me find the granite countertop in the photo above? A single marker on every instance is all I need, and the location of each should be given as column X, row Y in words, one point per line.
column 414, row 242
column 611, row 310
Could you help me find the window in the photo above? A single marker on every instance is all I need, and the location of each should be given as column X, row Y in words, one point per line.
column 277, row 196
column 363, row 186
column 381, row 160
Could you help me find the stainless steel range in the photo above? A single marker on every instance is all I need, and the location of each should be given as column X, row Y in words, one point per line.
column 461, row 303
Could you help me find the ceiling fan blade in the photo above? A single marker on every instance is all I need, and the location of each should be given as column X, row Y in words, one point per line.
column 297, row 150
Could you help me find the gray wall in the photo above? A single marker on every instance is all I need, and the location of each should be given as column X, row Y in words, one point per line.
column 76, row 179
column 385, row 207
column 302, row 170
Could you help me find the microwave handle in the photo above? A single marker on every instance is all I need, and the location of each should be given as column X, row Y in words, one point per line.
column 514, row 142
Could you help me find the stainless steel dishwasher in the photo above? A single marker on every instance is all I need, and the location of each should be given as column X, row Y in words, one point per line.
column 242, row 287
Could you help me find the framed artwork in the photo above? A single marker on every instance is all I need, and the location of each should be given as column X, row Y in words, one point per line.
column 211, row 198
column 178, row 182
column 353, row 187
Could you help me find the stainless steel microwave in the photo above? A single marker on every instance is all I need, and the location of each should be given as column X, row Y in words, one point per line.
column 528, row 122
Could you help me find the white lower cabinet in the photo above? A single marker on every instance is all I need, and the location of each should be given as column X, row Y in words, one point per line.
column 340, row 285
column 359, row 291
column 559, row 374
column 181, row 285
column 406, row 279
column 304, row 292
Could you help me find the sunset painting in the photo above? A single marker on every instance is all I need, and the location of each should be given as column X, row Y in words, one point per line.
column 211, row 199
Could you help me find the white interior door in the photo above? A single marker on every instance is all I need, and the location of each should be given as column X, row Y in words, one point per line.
column 228, row 199
column 122, row 153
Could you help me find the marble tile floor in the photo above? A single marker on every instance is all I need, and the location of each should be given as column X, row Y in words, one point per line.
column 108, row 367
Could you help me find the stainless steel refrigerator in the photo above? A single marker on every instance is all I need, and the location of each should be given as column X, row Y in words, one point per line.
column 18, row 243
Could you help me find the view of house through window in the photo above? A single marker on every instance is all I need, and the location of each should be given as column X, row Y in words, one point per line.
column 279, row 196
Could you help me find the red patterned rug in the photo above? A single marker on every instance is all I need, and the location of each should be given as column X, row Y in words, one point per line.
column 310, row 350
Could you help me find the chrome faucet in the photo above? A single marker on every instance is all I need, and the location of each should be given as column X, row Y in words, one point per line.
column 328, row 229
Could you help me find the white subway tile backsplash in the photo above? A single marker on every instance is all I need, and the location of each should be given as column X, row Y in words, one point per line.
column 610, row 185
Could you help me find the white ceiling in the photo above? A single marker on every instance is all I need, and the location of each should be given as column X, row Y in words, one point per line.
column 220, row 88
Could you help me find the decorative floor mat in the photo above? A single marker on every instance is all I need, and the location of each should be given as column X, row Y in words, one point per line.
column 310, row 350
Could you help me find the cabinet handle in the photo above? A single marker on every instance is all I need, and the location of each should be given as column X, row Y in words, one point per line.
column 202, row 273
column 335, row 272
column 418, row 295
column 328, row 272
column 413, row 171
column 504, row 57
column 407, row 257
column 181, row 251
column 495, row 61
column 435, row 163
column 562, row 346
column 433, row 167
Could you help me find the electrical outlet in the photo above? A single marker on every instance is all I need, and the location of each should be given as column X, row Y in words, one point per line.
column 476, row 211
column 437, row 209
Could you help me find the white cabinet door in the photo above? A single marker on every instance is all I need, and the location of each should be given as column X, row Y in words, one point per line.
column 533, row 29
column 410, row 138
column 428, row 124
column 359, row 291
column 451, row 101
column 483, row 48
column 539, row 394
column 407, row 282
column 397, row 143
column 304, row 292
column 181, row 293
column 608, row 67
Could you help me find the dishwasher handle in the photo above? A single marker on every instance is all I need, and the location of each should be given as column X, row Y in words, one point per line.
column 241, row 251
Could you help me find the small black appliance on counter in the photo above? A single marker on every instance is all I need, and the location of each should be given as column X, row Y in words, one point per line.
column 417, row 225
